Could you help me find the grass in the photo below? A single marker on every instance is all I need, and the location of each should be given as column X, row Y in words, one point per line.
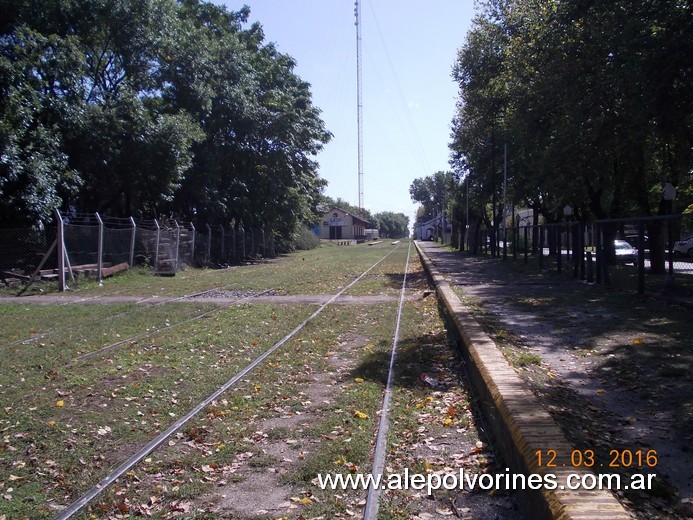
column 66, row 422
column 105, row 407
column 525, row 359
column 319, row 271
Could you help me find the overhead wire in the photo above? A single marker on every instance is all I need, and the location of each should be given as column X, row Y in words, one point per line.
column 409, row 118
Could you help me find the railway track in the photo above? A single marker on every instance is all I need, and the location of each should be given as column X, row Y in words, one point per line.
column 147, row 449
column 249, row 366
column 45, row 335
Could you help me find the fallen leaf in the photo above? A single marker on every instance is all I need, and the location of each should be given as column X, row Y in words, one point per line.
column 360, row 415
column 60, row 403
column 359, row 380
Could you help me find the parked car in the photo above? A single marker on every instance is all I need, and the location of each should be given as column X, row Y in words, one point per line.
column 633, row 241
column 625, row 253
column 684, row 247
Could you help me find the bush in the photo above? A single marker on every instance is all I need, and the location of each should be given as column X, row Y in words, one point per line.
column 301, row 239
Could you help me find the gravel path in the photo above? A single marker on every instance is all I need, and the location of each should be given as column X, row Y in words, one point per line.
column 218, row 297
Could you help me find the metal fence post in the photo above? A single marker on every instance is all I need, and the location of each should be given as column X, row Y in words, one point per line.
column 175, row 268
column 581, row 242
column 158, row 241
column 505, row 240
column 600, row 257
column 192, row 247
column 641, row 257
column 541, row 247
column 670, row 245
column 559, row 247
column 576, row 246
column 208, row 253
column 234, row 232
column 132, row 242
column 221, row 229
column 516, row 240
column 526, row 244
column 99, row 260
column 61, row 252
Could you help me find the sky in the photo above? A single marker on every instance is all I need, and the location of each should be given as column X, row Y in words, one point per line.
column 408, row 51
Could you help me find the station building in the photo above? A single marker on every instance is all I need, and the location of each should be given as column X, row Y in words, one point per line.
column 339, row 224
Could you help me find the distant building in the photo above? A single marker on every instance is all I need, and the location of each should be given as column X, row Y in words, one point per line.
column 338, row 224
column 372, row 234
column 427, row 230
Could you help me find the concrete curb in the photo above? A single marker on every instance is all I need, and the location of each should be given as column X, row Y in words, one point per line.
column 519, row 424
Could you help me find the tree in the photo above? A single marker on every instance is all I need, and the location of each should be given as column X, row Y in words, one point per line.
column 147, row 107
column 39, row 90
column 433, row 192
column 590, row 98
column 392, row 225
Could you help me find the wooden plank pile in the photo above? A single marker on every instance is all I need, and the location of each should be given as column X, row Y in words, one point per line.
column 14, row 276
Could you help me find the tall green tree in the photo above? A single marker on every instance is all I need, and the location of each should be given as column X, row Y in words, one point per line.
column 143, row 107
column 39, row 91
column 392, row 225
column 590, row 98
column 433, row 192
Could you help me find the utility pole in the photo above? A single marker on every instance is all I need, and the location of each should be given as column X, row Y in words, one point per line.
column 494, row 224
column 359, row 100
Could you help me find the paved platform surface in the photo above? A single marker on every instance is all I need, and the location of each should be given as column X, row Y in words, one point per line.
column 553, row 334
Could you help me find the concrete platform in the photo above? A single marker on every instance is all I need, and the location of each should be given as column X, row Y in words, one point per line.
column 520, row 426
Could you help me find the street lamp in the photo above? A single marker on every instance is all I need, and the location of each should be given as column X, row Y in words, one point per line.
column 669, row 195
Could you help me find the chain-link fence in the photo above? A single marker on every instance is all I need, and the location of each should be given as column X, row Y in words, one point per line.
column 639, row 254
column 23, row 251
column 95, row 246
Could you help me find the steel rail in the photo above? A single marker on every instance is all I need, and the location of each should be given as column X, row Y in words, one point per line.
column 373, row 498
column 105, row 482
column 143, row 335
column 42, row 335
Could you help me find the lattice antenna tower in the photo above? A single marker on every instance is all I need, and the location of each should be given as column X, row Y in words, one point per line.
column 359, row 100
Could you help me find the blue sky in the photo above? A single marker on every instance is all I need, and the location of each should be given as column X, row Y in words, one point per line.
column 408, row 50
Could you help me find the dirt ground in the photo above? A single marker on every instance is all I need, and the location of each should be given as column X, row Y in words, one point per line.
column 613, row 368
